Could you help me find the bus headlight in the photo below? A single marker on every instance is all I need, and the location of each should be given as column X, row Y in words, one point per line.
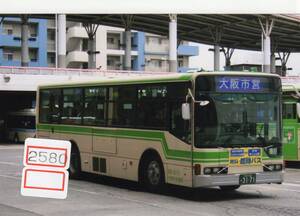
column 215, row 170
column 272, row 167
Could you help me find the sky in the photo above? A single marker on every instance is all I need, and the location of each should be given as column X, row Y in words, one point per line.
column 205, row 59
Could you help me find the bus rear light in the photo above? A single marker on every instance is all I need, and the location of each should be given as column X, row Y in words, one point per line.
column 197, row 169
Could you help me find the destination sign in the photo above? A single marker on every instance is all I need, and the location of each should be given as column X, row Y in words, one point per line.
column 240, row 84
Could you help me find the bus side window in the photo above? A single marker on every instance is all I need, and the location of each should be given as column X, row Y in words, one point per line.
column 94, row 106
column 289, row 111
column 72, row 106
column 54, row 106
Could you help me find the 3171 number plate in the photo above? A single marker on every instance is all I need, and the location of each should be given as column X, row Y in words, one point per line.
column 247, row 179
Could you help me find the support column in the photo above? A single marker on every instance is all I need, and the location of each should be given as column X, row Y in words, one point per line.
column 127, row 63
column 62, row 43
column 24, row 42
column 273, row 63
column 216, row 34
column 127, row 20
column 266, row 30
column 216, row 57
column 91, row 30
column 173, row 43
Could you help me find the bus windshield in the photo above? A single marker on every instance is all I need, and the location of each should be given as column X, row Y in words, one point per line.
column 237, row 119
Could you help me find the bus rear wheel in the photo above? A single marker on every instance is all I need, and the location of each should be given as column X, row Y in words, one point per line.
column 229, row 187
column 153, row 174
column 75, row 166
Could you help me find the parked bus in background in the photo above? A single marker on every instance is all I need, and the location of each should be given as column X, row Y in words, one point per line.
column 20, row 125
column 195, row 130
column 291, row 121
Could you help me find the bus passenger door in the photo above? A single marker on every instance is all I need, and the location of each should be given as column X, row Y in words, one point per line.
column 104, row 141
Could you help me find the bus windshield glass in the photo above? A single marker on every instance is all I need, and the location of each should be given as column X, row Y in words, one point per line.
column 238, row 114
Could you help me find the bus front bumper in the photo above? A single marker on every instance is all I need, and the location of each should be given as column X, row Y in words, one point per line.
column 233, row 179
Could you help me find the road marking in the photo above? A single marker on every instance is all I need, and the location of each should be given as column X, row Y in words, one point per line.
column 10, row 177
column 291, row 184
column 11, row 163
column 12, row 148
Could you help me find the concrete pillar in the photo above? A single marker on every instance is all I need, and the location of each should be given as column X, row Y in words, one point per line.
column 216, row 57
column 173, row 44
column 61, row 40
column 24, row 42
column 92, row 53
column 127, row 63
column 266, row 43
column 273, row 63
column 267, row 54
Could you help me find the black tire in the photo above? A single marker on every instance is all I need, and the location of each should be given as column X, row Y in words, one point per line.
column 75, row 164
column 229, row 187
column 153, row 175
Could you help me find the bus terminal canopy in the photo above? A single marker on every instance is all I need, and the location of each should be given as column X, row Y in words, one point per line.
column 227, row 30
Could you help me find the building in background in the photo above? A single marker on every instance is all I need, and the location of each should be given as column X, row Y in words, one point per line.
column 149, row 51
column 10, row 42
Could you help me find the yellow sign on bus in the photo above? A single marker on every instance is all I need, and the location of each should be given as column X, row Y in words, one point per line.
column 245, row 156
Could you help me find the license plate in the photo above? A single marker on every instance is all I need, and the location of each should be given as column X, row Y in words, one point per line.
column 247, row 179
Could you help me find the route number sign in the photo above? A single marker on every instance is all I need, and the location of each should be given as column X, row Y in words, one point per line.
column 45, row 173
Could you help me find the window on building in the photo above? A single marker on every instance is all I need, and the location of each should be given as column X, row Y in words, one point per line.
column 33, row 55
column 51, row 34
column 10, row 31
column 110, row 40
column 8, row 56
column 85, row 65
column 85, row 46
column 51, row 58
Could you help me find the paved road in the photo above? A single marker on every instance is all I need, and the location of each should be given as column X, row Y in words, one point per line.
column 95, row 196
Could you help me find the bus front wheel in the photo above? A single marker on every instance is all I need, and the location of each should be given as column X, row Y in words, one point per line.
column 153, row 174
column 229, row 187
column 75, row 166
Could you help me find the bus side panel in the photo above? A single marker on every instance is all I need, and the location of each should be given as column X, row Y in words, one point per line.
column 290, row 141
column 129, row 154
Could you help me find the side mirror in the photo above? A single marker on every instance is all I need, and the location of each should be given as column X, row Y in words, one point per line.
column 185, row 111
column 298, row 110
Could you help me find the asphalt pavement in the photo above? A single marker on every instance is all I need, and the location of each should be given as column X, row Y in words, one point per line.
column 94, row 195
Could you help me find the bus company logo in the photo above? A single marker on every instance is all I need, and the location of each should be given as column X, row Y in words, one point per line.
column 237, row 152
column 254, row 152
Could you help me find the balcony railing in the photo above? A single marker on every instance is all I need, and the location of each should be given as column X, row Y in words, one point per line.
column 75, row 72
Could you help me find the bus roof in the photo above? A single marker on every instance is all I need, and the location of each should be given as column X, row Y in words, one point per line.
column 173, row 77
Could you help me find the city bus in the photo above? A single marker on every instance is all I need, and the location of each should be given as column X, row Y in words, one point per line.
column 20, row 125
column 196, row 130
column 291, row 121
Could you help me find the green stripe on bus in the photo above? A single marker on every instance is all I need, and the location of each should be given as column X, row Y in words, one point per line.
column 208, row 157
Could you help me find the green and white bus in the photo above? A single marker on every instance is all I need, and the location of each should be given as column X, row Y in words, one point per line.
column 195, row 130
column 291, row 120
